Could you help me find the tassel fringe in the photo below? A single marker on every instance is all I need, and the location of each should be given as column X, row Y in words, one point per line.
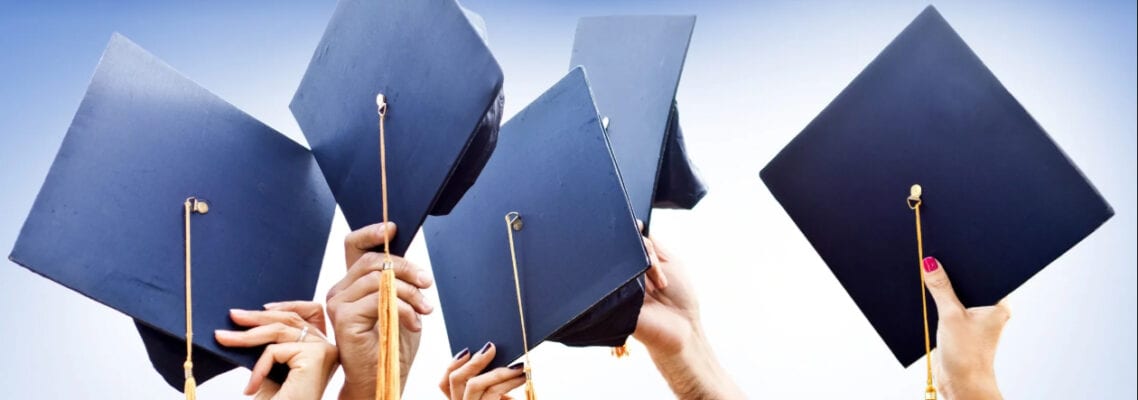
column 530, row 394
column 620, row 351
column 191, row 387
column 388, row 369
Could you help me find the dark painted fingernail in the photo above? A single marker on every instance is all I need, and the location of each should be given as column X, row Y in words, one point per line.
column 462, row 354
column 485, row 347
column 931, row 264
column 518, row 365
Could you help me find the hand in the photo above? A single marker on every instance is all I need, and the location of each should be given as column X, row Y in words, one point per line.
column 669, row 326
column 353, row 308
column 966, row 340
column 670, row 315
column 460, row 382
column 294, row 333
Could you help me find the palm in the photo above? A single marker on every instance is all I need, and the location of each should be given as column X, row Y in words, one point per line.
column 668, row 317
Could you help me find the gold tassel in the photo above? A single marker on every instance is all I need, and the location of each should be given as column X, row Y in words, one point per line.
column 191, row 388
column 514, row 223
column 530, row 394
column 388, row 373
column 914, row 202
column 620, row 351
column 388, row 379
column 190, row 206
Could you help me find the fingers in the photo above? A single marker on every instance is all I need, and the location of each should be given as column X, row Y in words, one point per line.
column 275, row 332
column 370, row 284
column 310, row 311
column 258, row 318
column 274, row 353
column 459, row 360
column 373, row 262
column 469, row 369
column 936, row 280
column 492, row 385
column 1002, row 311
column 369, row 237
column 655, row 272
column 366, row 309
column 499, row 391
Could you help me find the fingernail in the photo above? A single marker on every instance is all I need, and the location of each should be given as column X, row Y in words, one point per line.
column 237, row 311
column 462, row 353
column 518, row 365
column 427, row 306
column 485, row 348
column 424, row 278
column 931, row 264
column 270, row 305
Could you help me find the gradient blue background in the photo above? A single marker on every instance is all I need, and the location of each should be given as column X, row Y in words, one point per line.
column 756, row 74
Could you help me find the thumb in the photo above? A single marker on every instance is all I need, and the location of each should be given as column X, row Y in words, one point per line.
column 936, row 280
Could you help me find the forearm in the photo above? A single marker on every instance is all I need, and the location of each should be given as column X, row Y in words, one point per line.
column 694, row 373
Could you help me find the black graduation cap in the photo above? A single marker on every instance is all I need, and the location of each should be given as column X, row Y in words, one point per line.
column 1000, row 200
column 555, row 168
column 444, row 107
column 634, row 65
column 108, row 221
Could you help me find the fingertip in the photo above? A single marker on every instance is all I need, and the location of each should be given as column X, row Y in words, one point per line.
column 931, row 264
column 236, row 312
column 382, row 229
column 639, row 225
column 486, row 348
column 424, row 279
column 462, row 354
column 416, row 324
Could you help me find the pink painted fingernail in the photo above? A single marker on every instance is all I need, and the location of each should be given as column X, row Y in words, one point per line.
column 931, row 264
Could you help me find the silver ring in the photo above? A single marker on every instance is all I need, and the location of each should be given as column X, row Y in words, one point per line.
column 303, row 334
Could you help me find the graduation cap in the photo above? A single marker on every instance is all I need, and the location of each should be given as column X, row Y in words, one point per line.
column 551, row 188
column 999, row 200
column 634, row 65
column 146, row 149
column 444, row 106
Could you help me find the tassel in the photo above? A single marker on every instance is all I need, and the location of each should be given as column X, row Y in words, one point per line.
column 191, row 388
column 388, row 370
column 530, row 395
column 387, row 379
column 620, row 351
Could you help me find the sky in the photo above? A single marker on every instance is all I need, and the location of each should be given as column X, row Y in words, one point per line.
column 756, row 74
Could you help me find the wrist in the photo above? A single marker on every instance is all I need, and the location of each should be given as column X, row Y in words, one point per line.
column 357, row 390
column 693, row 372
column 977, row 387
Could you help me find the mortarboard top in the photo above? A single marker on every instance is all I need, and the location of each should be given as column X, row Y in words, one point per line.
column 443, row 90
column 108, row 221
column 578, row 243
column 634, row 65
column 1001, row 201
